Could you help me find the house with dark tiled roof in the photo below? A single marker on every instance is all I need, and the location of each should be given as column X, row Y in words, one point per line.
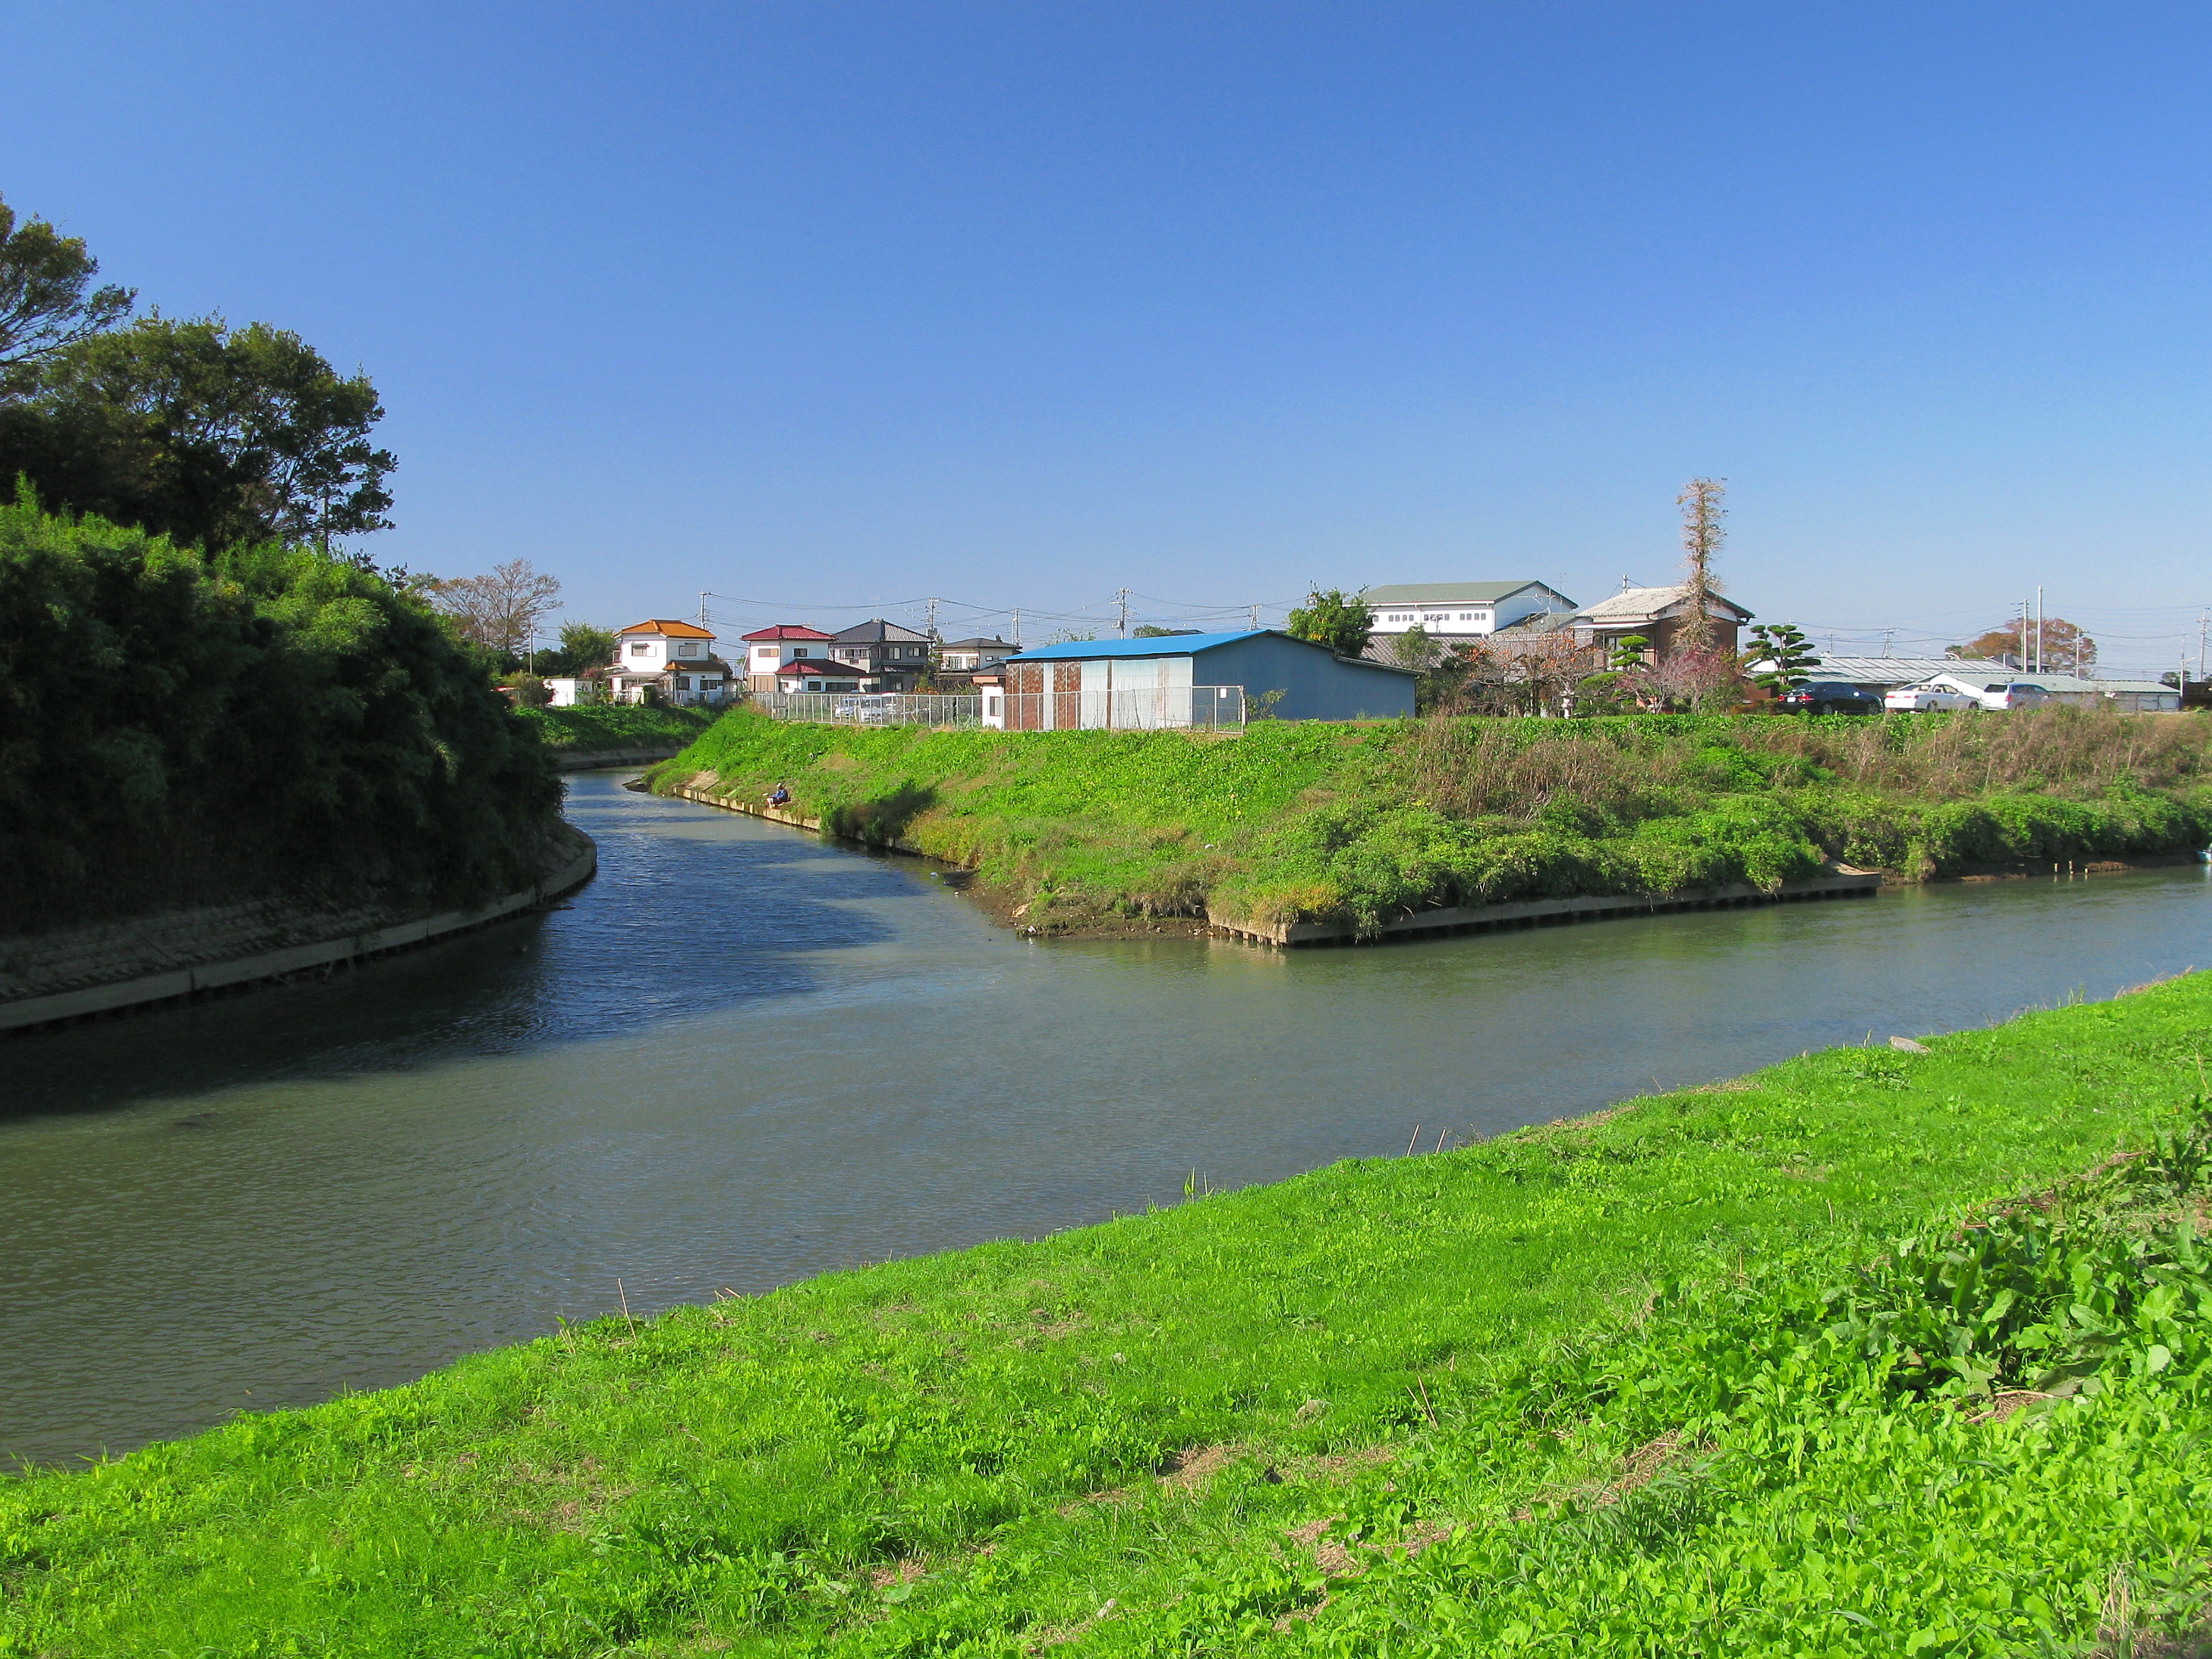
column 897, row 656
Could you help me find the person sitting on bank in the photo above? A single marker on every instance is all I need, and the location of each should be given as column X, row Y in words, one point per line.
column 779, row 796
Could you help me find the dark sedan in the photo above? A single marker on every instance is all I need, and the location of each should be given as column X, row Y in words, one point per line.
column 1829, row 697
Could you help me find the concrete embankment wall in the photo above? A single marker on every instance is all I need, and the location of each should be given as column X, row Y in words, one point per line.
column 585, row 760
column 106, row 966
column 1843, row 883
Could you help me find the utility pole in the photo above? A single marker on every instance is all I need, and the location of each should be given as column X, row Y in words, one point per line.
column 1017, row 627
column 1122, row 611
column 931, row 627
column 1255, row 617
column 703, row 611
column 2204, row 623
column 2023, row 637
column 1887, row 634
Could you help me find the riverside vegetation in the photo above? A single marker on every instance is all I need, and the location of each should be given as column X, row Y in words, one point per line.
column 1315, row 822
column 179, row 727
column 615, row 725
column 1867, row 1352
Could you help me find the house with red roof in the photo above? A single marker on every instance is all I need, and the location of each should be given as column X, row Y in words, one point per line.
column 773, row 649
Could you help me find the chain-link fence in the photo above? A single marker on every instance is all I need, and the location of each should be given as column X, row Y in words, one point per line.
column 872, row 708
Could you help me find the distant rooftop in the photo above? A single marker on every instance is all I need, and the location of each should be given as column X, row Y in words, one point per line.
column 877, row 630
column 1171, row 645
column 1455, row 592
column 1645, row 604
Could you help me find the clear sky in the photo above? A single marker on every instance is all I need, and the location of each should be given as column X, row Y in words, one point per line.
column 829, row 307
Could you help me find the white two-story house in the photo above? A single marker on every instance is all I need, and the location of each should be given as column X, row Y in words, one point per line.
column 675, row 660
column 771, row 650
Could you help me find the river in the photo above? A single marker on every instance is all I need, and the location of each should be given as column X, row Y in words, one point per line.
column 738, row 1057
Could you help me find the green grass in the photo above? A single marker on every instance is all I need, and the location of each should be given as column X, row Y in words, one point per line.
column 1407, row 1397
column 616, row 726
column 1362, row 823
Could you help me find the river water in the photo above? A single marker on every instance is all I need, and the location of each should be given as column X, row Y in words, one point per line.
column 738, row 1057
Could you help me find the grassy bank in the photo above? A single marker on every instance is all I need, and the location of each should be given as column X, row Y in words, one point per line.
column 610, row 726
column 1721, row 1371
column 1303, row 821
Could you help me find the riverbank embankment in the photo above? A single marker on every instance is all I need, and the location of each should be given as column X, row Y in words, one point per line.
column 1311, row 832
column 114, row 966
column 1723, row 1359
column 606, row 734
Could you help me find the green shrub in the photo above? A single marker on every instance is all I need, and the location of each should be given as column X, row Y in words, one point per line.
column 173, row 730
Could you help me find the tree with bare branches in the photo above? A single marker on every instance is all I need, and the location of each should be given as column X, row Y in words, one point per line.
column 501, row 611
column 1704, row 527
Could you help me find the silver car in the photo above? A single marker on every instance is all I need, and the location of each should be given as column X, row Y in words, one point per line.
column 1933, row 695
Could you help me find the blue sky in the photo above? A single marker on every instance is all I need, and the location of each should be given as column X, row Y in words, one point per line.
column 826, row 308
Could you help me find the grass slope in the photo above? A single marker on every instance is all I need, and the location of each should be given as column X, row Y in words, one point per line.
column 1298, row 821
column 1643, row 1377
column 612, row 725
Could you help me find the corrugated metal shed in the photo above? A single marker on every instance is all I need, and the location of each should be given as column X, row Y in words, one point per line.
column 1166, row 644
column 1900, row 670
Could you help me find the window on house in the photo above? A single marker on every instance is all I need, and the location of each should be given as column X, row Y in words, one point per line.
column 687, row 650
column 640, row 650
column 798, row 651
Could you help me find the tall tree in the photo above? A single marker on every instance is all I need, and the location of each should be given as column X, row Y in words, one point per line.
column 2065, row 648
column 500, row 610
column 1704, row 527
column 47, row 301
column 582, row 647
column 1330, row 618
column 212, row 436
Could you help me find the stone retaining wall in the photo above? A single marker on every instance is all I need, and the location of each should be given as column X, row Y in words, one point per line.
column 103, row 967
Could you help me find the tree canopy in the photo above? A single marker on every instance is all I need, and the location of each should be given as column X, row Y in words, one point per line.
column 47, row 301
column 1329, row 617
column 211, row 435
column 583, row 646
column 177, row 730
column 2065, row 649
column 501, row 610
column 1789, row 654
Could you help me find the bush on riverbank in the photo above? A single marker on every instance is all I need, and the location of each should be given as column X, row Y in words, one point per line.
column 1309, row 821
column 616, row 726
column 176, row 729
column 1721, row 1371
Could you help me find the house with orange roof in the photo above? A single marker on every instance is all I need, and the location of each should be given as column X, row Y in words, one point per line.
column 665, row 660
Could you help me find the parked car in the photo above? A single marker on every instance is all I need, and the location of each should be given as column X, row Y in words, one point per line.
column 1828, row 697
column 1932, row 695
column 2014, row 694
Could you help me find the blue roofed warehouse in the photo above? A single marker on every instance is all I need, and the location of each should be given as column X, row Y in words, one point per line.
column 1190, row 679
